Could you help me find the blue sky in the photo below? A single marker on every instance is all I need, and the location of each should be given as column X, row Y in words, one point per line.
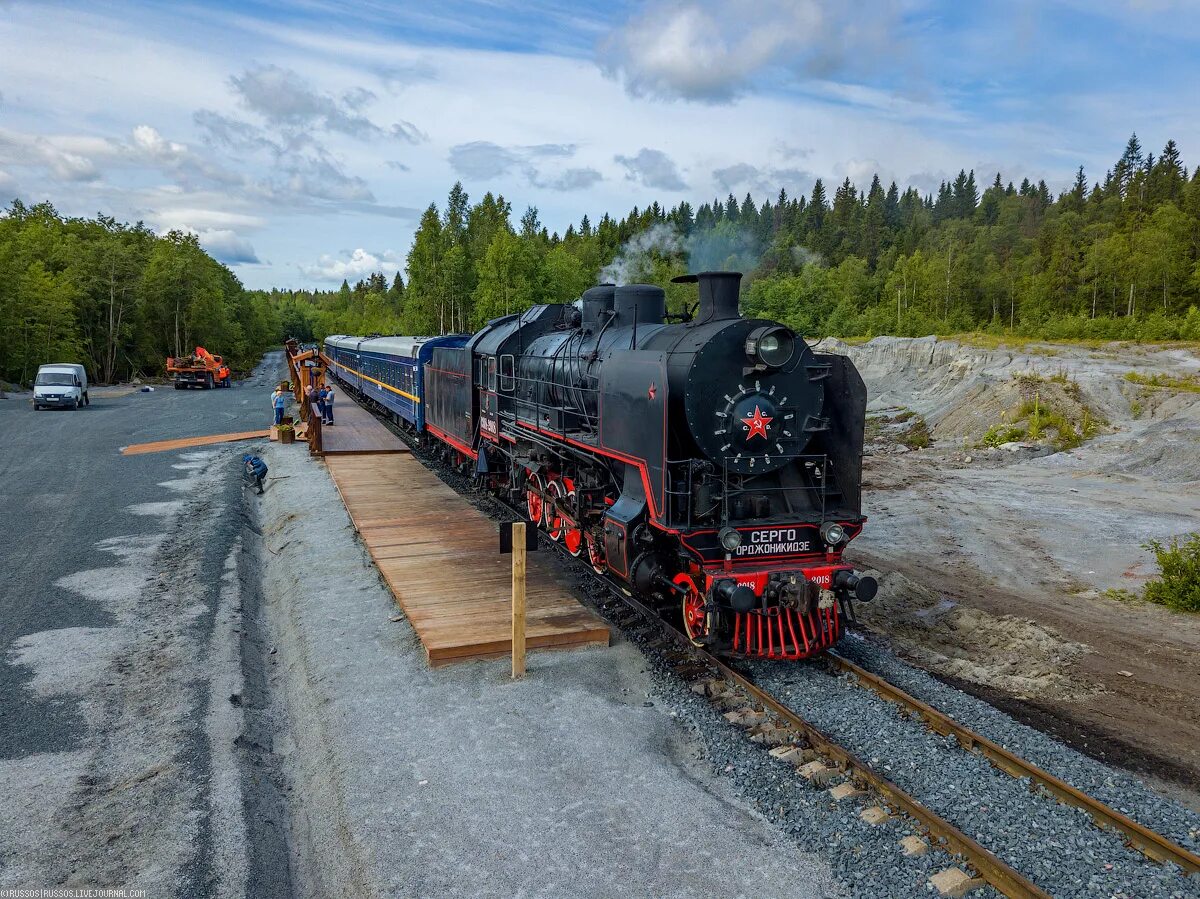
column 301, row 140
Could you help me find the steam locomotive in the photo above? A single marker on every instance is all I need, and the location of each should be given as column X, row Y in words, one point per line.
column 712, row 463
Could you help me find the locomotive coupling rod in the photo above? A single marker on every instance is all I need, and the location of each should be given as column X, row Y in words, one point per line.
column 1153, row 845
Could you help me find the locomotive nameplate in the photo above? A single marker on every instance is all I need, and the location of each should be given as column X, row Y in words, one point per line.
column 778, row 542
column 764, row 542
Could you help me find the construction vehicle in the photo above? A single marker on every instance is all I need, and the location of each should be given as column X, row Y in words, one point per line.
column 200, row 369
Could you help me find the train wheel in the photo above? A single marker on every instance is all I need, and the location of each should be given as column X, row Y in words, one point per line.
column 695, row 619
column 533, row 498
column 573, row 536
column 552, row 518
column 595, row 554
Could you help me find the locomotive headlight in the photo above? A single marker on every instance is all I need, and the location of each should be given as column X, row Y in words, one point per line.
column 731, row 538
column 771, row 346
column 833, row 533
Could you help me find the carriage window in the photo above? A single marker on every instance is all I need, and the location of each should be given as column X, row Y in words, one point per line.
column 492, row 373
column 508, row 380
column 481, row 376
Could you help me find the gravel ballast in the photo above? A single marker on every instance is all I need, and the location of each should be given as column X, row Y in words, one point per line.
column 1056, row 846
column 1118, row 789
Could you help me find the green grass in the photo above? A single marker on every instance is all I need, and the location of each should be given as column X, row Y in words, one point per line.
column 1041, row 419
column 1054, row 413
column 1178, row 583
column 1164, row 382
column 917, row 435
column 1120, row 594
column 998, row 435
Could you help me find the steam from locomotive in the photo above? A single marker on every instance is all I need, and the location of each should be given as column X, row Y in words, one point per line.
column 711, row 462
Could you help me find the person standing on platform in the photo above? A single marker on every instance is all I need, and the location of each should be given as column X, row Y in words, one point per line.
column 319, row 399
column 278, row 402
column 328, row 404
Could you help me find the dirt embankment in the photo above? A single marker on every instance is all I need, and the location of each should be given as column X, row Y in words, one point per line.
column 1005, row 540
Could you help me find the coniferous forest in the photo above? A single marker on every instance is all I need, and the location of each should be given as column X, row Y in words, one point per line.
column 1114, row 258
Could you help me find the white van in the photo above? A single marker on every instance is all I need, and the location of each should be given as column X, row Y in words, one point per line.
column 62, row 384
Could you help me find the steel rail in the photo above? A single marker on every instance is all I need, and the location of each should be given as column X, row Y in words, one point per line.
column 1148, row 842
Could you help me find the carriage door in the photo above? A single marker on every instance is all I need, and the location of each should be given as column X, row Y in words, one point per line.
column 489, row 423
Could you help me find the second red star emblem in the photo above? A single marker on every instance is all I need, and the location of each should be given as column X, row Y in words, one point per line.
column 757, row 424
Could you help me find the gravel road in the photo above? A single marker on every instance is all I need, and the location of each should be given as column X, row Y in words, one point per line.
column 119, row 616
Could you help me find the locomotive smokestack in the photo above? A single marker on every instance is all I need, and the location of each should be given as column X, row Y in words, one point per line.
column 718, row 295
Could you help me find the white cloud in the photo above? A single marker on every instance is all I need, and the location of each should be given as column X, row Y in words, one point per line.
column 763, row 181
column 31, row 150
column 351, row 267
column 711, row 50
column 283, row 97
column 482, row 159
column 199, row 219
column 653, row 168
column 226, row 246
column 568, row 179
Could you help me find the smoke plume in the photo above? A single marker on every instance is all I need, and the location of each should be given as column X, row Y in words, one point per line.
column 725, row 247
column 635, row 260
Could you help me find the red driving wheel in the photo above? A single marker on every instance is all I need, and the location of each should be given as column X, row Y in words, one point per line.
column 533, row 498
column 695, row 619
column 572, row 536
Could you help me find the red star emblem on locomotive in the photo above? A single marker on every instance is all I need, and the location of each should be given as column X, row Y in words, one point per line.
column 757, row 424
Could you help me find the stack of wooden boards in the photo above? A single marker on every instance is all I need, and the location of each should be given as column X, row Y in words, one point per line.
column 439, row 555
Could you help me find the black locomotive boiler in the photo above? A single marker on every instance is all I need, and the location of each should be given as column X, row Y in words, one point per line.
column 710, row 461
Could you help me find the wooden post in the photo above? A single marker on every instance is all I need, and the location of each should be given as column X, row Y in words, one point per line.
column 518, row 599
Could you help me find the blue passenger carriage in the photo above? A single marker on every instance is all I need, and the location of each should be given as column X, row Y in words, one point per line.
column 388, row 370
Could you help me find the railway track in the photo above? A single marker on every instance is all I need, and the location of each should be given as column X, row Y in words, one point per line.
column 990, row 867
column 1151, row 844
column 699, row 668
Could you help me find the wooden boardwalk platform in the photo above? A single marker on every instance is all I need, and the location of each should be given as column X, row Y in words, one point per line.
column 356, row 431
column 439, row 555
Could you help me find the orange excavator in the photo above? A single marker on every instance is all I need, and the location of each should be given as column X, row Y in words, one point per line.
column 201, row 369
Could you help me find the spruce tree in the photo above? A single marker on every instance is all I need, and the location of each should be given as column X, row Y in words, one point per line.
column 891, row 207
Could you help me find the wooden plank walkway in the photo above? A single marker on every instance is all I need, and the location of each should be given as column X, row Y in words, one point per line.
column 162, row 446
column 439, row 556
column 357, row 431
